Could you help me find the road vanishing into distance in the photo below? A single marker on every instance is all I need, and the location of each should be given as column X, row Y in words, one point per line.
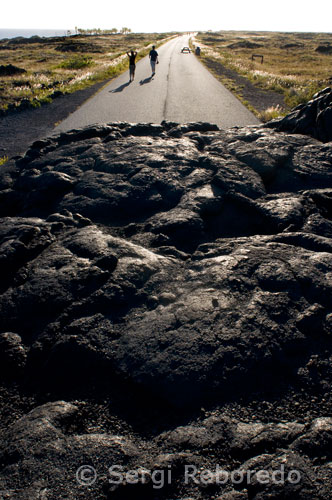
column 182, row 90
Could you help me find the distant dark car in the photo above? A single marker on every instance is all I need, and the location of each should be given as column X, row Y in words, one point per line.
column 186, row 49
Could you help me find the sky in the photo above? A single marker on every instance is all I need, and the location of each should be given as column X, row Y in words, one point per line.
column 170, row 15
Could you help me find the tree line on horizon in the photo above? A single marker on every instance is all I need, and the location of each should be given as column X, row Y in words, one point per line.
column 98, row 31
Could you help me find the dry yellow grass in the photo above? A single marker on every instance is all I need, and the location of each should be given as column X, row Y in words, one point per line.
column 292, row 64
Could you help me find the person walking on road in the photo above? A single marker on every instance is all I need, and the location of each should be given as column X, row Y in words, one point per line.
column 132, row 64
column 153, row 59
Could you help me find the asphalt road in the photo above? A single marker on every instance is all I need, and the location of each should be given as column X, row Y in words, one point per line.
column 182, row 90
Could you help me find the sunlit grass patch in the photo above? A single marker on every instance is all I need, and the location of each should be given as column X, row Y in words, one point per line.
column 271, row 113
column 77, row 62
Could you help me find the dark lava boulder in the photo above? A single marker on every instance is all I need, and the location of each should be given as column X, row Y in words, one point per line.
column 10, row 70
column 245, row 44
column 324, row 49
column 165, row 308
column 313, row 118
column 76, row 46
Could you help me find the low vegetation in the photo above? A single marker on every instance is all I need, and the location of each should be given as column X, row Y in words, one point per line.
column 295, row 65
column 53, row 66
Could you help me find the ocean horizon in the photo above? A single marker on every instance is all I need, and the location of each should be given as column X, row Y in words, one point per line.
column 27, row 33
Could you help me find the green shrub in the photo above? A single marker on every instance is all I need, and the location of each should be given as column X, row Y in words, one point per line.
column 77, row 62
column 3, row 160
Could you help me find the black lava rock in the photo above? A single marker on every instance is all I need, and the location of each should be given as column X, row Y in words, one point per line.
column 170, row 286
column 313, row 118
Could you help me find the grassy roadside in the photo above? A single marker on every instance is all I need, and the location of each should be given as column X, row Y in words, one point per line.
column 289, row 69
column 56, row 66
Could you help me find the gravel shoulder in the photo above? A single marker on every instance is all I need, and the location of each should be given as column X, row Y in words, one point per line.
column 19, row 129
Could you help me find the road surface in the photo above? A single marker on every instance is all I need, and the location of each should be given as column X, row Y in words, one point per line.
column 182, row 90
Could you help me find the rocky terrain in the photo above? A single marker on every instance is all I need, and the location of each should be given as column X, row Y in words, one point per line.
column 166, row 315
column 313, row 118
